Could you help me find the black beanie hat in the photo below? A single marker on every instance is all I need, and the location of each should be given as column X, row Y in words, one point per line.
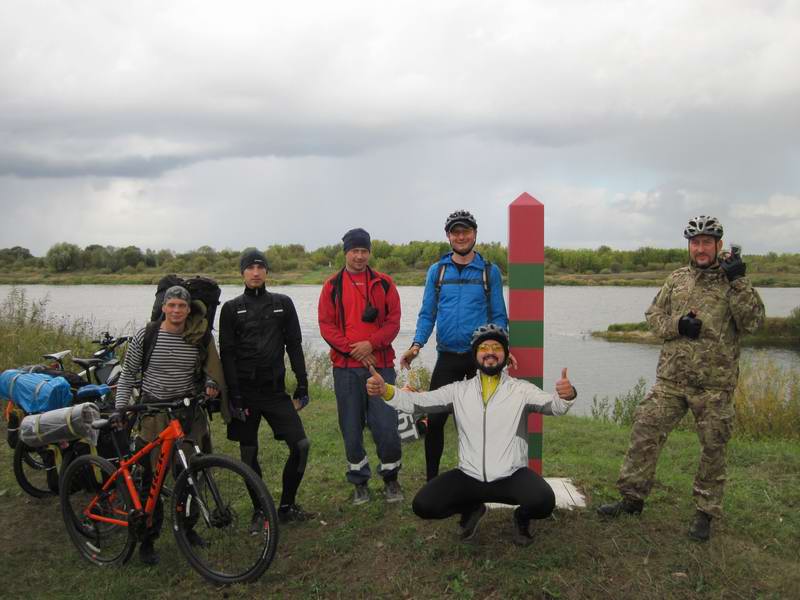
column 252, row 256
column 356, row 238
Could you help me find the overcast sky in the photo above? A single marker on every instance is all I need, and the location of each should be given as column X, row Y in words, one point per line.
column 183, row 123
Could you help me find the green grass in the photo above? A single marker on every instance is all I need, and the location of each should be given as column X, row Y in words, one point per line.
column 379, row 550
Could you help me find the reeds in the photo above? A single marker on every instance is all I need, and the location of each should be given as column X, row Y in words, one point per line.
column 27, row 332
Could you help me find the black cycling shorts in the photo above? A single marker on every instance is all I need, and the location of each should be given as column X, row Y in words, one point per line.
column 279, row 412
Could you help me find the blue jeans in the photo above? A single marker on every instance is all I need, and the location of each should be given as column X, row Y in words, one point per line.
column 356, row 409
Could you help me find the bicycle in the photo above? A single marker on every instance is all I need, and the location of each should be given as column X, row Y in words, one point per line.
column 214, row 497
column 37, row 469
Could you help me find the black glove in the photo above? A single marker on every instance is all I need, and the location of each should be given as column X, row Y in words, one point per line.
column 690, row 326
column 733, row 267
column 237, row 412
column 118, row 419
column 302, row 387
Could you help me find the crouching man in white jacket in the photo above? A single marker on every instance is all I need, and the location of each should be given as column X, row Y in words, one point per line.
column 491, row 416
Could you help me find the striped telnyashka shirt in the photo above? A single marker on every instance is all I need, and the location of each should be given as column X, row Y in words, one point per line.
column 170, row 373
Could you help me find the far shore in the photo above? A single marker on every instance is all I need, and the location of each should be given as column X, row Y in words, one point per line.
column 317, row 277
column 777, row 332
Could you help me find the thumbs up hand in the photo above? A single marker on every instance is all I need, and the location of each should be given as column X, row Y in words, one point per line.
column 564, row 389
column 376, row 386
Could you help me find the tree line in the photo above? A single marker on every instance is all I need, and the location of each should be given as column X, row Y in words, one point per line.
column 65, row 257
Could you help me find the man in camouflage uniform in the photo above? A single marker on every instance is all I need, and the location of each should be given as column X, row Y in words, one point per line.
column 700, row 312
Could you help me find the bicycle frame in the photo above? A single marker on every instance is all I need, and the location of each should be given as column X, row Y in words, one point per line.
column 167, row 439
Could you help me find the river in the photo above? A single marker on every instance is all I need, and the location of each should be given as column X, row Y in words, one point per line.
column 596, row 367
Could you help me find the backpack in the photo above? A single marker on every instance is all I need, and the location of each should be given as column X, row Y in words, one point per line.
column 204, row 289
column 35, row 392
column 440, row 280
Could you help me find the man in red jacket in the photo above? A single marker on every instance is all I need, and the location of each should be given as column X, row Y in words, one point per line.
column 359, row 317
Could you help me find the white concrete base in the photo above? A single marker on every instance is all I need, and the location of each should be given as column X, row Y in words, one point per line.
column 567, row 495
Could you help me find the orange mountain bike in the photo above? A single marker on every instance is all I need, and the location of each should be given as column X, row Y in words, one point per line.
column 212, row 504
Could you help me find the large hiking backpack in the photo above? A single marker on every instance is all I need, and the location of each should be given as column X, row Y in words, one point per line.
column 204, row 289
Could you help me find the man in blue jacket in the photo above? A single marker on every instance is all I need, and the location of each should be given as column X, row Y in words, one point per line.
column 462, row 292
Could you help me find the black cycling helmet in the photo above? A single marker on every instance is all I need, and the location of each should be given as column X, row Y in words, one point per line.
column 703, row 225
column 460, row 217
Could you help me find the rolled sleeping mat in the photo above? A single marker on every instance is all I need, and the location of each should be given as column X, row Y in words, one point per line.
column 61, row 425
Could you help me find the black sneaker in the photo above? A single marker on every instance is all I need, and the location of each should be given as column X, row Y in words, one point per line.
column 522, row 533
column 257, row 523
column 194, row 539
column 700, row 530
column 393, row 492
column 294, row 512
column 626, row 505
column 361, row 494
column 148, row 554
column 469, row 522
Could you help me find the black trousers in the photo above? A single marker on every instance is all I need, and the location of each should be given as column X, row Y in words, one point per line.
column 450, row 367
column 455, row 492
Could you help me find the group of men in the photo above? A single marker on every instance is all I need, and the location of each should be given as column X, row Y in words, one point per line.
column 701, row 312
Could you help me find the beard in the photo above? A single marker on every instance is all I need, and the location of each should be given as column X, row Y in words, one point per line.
column 493, row 370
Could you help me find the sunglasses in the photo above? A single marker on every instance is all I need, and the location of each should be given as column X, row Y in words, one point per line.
column 491, row 347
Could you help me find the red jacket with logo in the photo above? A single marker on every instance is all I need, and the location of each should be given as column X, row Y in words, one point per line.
column 341, row 304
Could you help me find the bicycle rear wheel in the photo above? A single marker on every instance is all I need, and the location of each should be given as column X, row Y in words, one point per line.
column 84, row 504
column 213, row 502
column 35, row 470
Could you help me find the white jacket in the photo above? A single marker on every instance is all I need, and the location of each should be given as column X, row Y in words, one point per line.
column 492, row 438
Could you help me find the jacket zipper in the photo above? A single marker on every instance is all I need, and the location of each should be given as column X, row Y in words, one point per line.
column 484, row 441
column 485, row 407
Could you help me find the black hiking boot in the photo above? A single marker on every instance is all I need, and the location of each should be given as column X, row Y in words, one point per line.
column 360, row 494
column 522, row 533
column 148, row 554
column 393, row 492
column 469, row 522
column 294, row 513
column 626, row 505
column 700, row 530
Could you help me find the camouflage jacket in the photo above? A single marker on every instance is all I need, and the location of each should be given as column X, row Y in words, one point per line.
column 727, row 310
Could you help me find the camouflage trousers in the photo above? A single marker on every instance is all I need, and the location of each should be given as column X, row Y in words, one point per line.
column 656, row 417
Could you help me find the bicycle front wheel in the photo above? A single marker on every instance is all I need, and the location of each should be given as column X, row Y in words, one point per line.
column 96, row 519
column 213, row 505
column 35, row 470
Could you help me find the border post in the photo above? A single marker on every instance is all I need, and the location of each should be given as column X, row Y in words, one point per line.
column 526, row 304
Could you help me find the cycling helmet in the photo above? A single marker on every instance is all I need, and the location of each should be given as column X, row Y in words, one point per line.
column 703, row 225
column 460, row 217
column 494, row 332
column 489, row 331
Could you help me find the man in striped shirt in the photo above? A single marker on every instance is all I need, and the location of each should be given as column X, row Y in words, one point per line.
column 169, row 370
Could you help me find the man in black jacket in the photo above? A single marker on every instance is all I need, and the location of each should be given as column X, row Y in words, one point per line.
column 255, row 329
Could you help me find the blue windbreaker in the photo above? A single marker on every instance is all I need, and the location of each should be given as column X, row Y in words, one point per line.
column 462, row 304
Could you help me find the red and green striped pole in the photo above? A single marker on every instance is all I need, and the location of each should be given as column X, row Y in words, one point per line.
column 526, row 304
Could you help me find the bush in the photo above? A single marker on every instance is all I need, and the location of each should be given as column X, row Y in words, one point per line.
column 767, row 399
column 624, row 407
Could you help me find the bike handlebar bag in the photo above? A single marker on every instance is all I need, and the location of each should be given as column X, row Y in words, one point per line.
column 35, row 392
column 61, row 425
